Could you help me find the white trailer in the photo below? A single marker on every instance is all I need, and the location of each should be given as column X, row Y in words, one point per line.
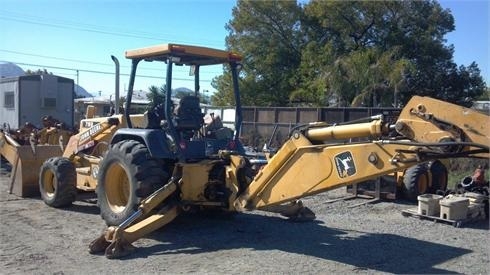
column 29, row 98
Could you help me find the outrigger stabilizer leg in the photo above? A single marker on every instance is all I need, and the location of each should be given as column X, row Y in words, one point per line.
column 116, row 241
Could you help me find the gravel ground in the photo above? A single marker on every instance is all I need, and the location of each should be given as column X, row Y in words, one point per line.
column 372, row 238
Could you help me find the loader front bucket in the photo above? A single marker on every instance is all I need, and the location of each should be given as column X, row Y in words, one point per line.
column 26, row 160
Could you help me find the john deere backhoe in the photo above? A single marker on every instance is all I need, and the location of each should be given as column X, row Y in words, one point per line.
column 176, row 165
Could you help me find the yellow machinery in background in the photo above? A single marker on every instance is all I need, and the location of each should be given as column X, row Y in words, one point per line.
column 176, row 165
column 26, row 149
column 62, row 176
column 428, row 177
column 56, row 163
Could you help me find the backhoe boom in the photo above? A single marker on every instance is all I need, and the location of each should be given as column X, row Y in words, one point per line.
column 428, row 129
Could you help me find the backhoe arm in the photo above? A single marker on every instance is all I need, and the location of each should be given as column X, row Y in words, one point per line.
column 428, row 129
column 116, row 241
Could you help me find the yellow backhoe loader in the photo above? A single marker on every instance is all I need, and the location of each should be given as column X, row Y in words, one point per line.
column 185, row 167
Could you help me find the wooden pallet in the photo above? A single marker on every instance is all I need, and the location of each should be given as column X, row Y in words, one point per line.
column 455, row 223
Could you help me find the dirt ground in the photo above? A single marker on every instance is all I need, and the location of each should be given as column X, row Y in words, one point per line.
column 372, row 238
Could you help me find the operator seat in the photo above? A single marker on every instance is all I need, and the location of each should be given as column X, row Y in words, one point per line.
column 188, row 114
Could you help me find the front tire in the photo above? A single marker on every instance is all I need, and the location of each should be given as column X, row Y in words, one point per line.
column 57, row 182
column 127, row 174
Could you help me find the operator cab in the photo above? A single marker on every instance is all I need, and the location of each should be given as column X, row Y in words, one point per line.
column 187, row 135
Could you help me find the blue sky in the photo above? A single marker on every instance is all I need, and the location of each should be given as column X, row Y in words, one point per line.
column 77, row 34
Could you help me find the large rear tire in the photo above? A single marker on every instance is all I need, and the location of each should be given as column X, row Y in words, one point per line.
column 127, row 174
column 415, row 182
column 57, row 182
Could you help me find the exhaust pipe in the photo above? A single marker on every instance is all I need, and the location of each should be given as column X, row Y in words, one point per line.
column 117, row 84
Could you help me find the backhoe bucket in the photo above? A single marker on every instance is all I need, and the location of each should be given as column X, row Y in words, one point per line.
column 26, row 160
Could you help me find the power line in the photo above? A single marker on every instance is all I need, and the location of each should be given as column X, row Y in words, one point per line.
column 56, row 58
column 102, row 72
column 88, row 62
column 79, row 28
column 15, row 15
column 72, row 25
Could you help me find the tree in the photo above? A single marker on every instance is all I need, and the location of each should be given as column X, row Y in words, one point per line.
column 377, row 77
column 361, row 67
column 156, row 96
column 342, row 52
column 266, row 33
column 224, row 90
column 463, row 85
column 414, row 30
column 347, row 25
column 38, row 71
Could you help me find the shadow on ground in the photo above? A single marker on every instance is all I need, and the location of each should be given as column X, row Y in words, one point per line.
column 381, row 252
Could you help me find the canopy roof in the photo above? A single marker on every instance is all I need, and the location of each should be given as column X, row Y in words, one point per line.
column 184, row 54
